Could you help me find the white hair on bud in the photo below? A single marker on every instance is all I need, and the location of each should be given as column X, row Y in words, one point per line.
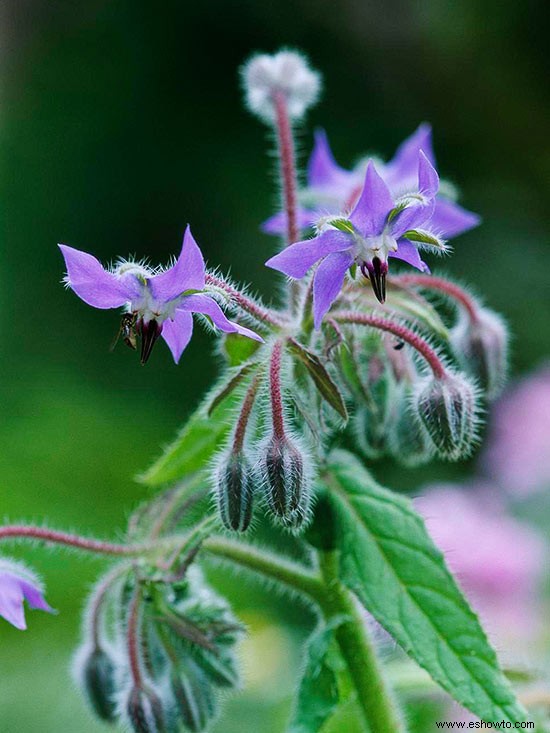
column 287, row 72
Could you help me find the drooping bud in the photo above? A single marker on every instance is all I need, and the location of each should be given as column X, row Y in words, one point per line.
column 234, row 491
column 409, row 443
column 448, row 410
column 95, row 671
column 194, row 697
column 286, row 73
column 481, row 347
column 372, row 418
column 144, row 710
column 285, row 476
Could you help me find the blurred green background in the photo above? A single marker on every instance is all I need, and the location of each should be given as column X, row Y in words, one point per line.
column 121, row 121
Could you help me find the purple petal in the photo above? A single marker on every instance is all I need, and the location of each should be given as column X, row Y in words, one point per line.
column 403, row 167
column 375, row 203
column 428, row 180
column 407, row 252
column 328, row 282
column 412, row 217
column 34, row 597
column 92, row 283
column 186, row 274
column 208, row 307
column 450, row 219
column 297, row 259
column 276, row 224
column 177, row 332
column 322, row 168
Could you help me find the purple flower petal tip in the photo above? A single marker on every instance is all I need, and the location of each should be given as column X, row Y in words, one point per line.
column 16, row 586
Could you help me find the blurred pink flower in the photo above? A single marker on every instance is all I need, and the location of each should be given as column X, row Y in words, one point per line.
column 517, row 457
column 497, row 560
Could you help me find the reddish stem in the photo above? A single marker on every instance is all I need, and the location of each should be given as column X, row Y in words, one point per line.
column 132, row 640
column 402, row 332
column 288, row 166
column 71, row 540
column 248, row 305
column 98, row 599
column 443, row 286
column 275, row 389
column 246, row 409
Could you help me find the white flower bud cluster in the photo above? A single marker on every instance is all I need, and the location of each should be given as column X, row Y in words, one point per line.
column 287, row 72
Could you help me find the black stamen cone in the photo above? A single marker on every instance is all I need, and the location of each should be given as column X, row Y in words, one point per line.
column 377, row 271
column 149, row 333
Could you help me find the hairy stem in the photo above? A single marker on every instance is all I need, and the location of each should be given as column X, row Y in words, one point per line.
column 244, row 416
column 288, row 167
column 402, row 332
column 277, row 411
column 286, row 572
column 376, row 700
column 17, row 531
column 97, row 599
column 263, row 315
column 132, row 639
column 443, row 286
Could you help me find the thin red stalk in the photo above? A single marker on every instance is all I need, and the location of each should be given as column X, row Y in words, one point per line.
column 132, row 640
column 275, row 389
column 288, row 166
column 246, row 409
column 98, row 598
column 70, row 540
column 444, row 286
column 248, row 305
column 402, row 332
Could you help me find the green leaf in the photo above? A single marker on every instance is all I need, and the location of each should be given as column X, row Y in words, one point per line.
column 198, row 440
column 343, row 225
column 318, row 695
column 238, row 349
column 390, row 562
column 231, row 385
column 321, row 378
column 419, row 235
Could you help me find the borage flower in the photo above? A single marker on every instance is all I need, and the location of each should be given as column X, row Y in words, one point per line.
column 333, row 189
column 157, row 303
column 377, row 228
column 17, row 584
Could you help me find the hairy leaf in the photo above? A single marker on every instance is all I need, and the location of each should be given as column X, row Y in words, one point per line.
column 390, row 562
column 321, row 378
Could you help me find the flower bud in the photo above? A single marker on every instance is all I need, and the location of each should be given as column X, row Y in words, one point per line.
column 447, row 409
column 286, row 481
column 372, row 418
column 286, row 72
column 409, row 442
column 144, row 710
column 481, row 347
column 95, row 672
column 194, row 698
column 234, row 491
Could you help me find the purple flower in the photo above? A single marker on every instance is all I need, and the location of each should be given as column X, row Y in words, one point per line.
column 497, row 559
column 378, row 227
column 517, row 457
column 335, row 189
column 157, row 302
column 17, row 585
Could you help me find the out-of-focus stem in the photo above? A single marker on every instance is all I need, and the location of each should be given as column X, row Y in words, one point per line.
column 443, row 286
column 287, row 164
column 402, row 332
column 132, row 640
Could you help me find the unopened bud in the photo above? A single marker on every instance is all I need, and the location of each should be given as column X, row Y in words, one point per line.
column 144, row 710
column 287, row 73
column 94, row 670
column 286, row 481
column 234, row 491
column 481, row 347
column 194, row 698
column 409, row 442
column 447, row 409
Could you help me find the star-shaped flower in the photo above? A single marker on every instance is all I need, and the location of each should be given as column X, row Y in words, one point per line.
column 378, row 227
column 334, row 189
column 157, row 303
column 17, row 584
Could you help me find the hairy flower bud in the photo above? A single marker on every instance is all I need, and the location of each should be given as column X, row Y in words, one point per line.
column 286, row 72
column 409, row 443
column 194, row 697
column 447, row 409
column 285, row 476
column 95, row 671
column 144, row 710
column 481, row 347
column 372, row 419
column 234, row 491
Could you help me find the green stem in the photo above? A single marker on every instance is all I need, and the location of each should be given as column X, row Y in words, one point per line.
column 379, row 709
